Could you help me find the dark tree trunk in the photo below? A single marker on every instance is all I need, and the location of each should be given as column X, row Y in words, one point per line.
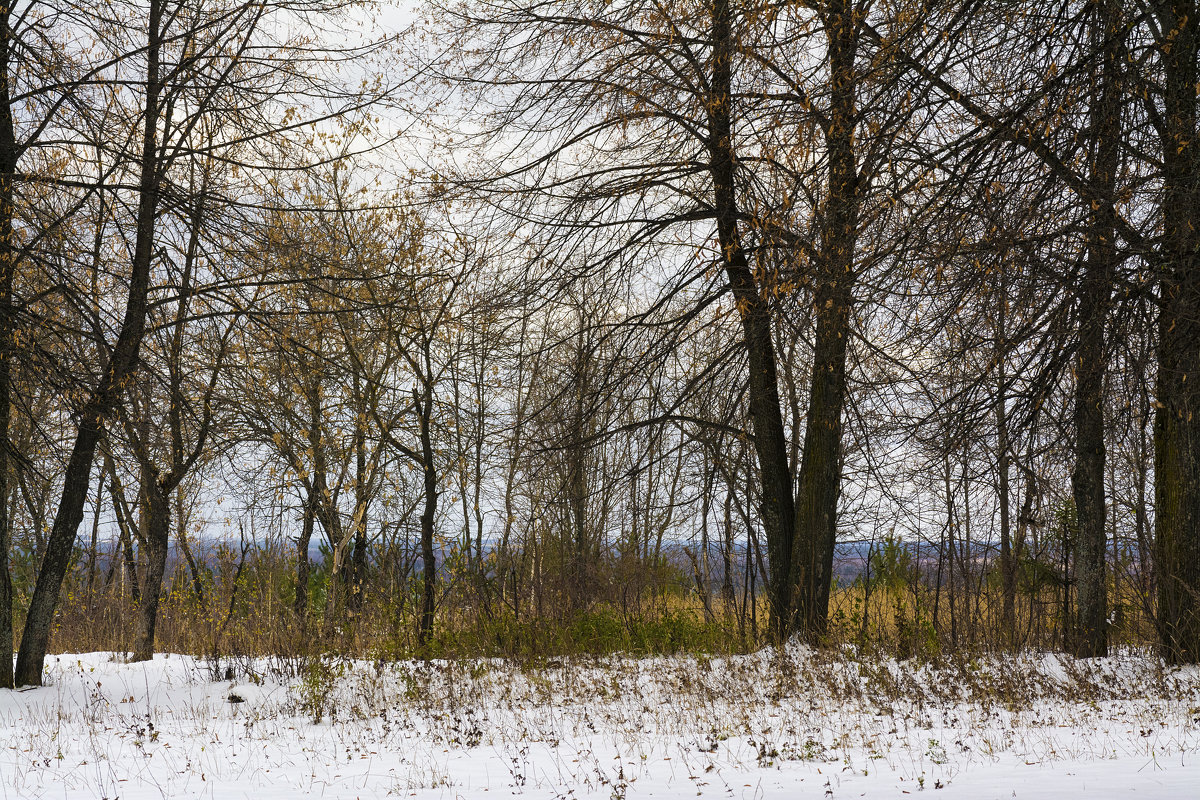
column 1177, row 421
column 159, row 486
column 324, row 501
column 579, row 584
column 1141, row 514
column 1090, row 637
column 727, row 595
column 358, row 559
column 40, row 618
column 821, row 459
column 8, row 263
column 330, row 518
column 94, row 543
column 428, row 515
column 1008, row 569
column 1087, row 480
column 303, row 566
column 121, row 366
column 770, row 444
column 157, row 505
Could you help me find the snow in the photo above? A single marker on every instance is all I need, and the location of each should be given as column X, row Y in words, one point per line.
column 767, row 725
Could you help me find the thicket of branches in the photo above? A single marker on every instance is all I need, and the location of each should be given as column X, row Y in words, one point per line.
column 700, row 323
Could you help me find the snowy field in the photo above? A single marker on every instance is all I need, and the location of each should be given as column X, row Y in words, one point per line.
column 760, row 726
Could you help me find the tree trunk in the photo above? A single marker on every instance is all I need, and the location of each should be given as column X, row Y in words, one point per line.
column 121, row 366
column 428, row 514
column 1008, row 570
column 1177, row 421
column 770, row 444
column 727, row 596
column 8, row 258
column 1087, row 480
column 358, row 560
column 1141, row 526
column 157, row 504
column 821, row 460
column 303, row 566
column 579, row 583
column 93, row 544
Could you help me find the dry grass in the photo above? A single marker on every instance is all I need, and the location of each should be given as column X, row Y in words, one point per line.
column 609, row 726
column 246, row 610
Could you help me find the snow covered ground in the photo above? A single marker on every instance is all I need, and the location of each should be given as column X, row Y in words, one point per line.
column 768, row 725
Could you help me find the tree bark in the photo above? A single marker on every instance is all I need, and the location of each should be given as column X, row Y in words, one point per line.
column 1087, row 480
column 576, row 479
column 1177, row 421
column 428, row 514
column 821, row 459
column 1008, row 571
column 303, row 565
column 157, row 504
column 121, row 366
column 770, row 444
column 8, row 257
column 358, row 559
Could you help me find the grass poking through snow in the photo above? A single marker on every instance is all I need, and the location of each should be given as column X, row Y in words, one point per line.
column 785, row 723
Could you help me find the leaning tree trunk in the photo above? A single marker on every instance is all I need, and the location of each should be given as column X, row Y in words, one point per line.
column 121, row 366
column 1177, row 421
